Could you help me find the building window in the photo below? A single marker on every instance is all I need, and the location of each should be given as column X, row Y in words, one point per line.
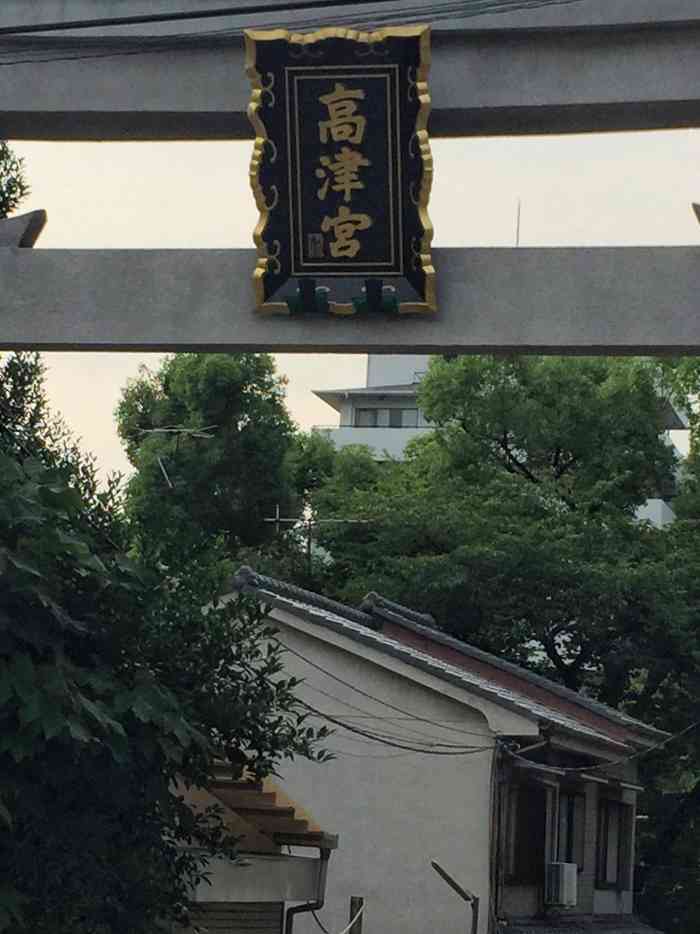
column 527, row 821
column 572, row 819
column 386, row 418
column 366, row 418
column 614, row 845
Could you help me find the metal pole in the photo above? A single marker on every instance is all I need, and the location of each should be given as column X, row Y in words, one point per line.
column 469, row 897
column 309, row 526
column 356, row 904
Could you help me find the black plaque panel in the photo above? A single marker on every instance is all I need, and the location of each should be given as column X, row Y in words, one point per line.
column 341, row 169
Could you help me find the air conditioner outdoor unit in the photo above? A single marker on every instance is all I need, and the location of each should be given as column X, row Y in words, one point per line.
column 560, row 884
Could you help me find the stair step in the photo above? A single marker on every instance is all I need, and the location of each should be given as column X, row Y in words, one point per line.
column 242, row 799
column 237, row 786
column 262, row 811
column 276, row 825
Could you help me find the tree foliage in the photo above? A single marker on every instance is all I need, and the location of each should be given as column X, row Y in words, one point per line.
column 191, row 487
column 13, row 184
column 114, row 682
column 514, row 521
column 587, row 429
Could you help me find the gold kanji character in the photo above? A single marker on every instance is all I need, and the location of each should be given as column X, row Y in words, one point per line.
column 345, row 226
column 343, row 172
column 344, row 123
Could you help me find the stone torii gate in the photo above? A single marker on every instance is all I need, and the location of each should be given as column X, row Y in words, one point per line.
column 591, row 65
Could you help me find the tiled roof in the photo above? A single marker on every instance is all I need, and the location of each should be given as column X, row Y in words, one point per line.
column 376, row 605
column 356, row 624
column 247, row 577
column 428, row 631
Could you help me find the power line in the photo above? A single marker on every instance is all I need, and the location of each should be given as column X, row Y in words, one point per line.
column 161, row 44
column 623, row 759
column 366, row 715
column 148, row 18
column 377, row 736
column 370, row 735
column 466, row 751
column 463, row 8
column 378, row 700
column 344, row 753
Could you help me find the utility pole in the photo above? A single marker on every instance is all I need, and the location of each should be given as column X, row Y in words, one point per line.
column 309, row 524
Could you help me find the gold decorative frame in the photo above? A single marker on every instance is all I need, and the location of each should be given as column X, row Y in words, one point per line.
column 419, row 84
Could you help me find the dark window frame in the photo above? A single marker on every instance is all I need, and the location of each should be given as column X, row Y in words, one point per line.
column 361, row 412
column 526, row 862
column 624, row 811
column 395, row 416
column 573, row 798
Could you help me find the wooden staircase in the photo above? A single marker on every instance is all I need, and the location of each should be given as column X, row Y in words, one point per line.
column 268, row 811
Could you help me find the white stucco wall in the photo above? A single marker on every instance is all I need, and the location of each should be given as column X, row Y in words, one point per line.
column 261, row 878
column 394, row 810
column 391, row 441
column 394, row 369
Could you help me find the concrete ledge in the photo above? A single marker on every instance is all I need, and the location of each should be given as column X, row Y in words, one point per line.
column 621, row 300
column 256, row 878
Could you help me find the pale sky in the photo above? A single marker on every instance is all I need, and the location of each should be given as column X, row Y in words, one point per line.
column 593, row 190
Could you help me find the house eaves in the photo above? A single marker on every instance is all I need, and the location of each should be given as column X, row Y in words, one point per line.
column 334, row 617
column 336, row 397
column 651, row 734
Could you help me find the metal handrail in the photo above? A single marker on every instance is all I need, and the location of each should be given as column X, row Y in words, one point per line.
column 463, row 893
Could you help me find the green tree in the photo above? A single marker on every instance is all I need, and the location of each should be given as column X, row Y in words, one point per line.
column 500, row 562
column 514, row 521
column 113, row 683
column 284, row 553
column 13, row 184
column 209, row 436
column 589, row 429
column 310, row 461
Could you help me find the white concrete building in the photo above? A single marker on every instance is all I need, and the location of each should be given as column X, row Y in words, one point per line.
column 385, row 416
column 384, row 413
column 444, row 752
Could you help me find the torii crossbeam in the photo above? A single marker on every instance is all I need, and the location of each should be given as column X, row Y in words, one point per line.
column 587, row 66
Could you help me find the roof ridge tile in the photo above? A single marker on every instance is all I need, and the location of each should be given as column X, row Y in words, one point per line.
column 248, row 580
column 247, row 577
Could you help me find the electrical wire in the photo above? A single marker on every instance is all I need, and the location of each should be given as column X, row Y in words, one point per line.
column 154, row 45
column 381, row 736
column 623, row 759
column 466, row 751
column 367, row 715
column 345, row 929
column 182, row 16
column 465, row 7
column 350, row 926
column 344, row 753
column 378, row 700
